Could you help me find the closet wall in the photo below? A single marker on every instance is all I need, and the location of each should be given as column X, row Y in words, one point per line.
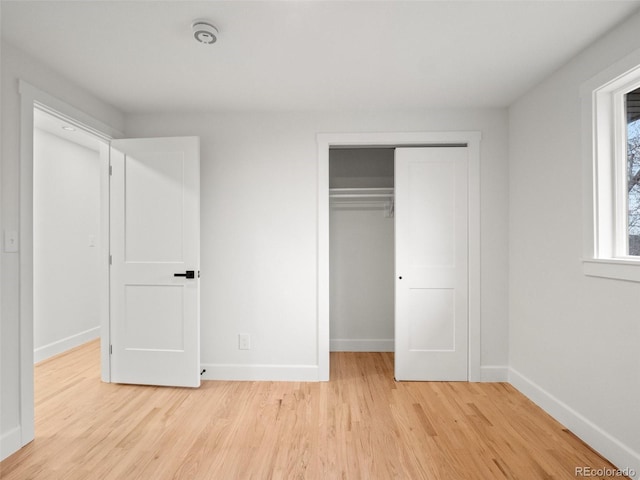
column 361, row 250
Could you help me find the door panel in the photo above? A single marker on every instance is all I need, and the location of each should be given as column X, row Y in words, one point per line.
column 163, row 303
column 431, row 263
column 157, row 212
column 430, row 312
column 155, row 232
column 430, row 202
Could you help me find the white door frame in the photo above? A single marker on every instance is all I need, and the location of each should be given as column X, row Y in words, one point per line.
column 398, row 139
column 31, row 97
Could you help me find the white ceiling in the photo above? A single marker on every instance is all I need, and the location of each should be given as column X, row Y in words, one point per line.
column 308, row 55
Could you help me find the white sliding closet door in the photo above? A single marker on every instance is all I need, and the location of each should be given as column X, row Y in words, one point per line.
column 431, row 319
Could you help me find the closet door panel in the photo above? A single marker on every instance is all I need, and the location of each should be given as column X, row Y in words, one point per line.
column 431, row 291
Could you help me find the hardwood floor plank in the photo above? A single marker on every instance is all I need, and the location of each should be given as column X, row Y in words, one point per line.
column 361, row 424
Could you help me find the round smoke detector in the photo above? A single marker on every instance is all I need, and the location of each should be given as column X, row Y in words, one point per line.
column 204, row 32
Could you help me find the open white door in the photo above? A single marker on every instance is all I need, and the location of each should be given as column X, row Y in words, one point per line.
column 155, row 235
column 431, row 320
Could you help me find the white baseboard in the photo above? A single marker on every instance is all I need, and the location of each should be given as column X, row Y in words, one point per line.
column 64, row 344
column 494, row 373
column 10, row 442
column 622, row 456
column 361, row 345
column 256, row 373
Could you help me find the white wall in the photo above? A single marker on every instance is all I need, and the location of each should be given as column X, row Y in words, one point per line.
column 574, row 340
column 259, row 227
column 15, row 65
column 362, row 281
column 259, row 224
column 66, row 213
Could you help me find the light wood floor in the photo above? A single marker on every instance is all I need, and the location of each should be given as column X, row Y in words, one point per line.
column 361, row 425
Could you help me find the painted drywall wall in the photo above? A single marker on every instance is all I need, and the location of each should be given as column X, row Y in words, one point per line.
column 259, row 225
column 66, row 228
column 17, row 65
column 573, row 339
column 361, row 278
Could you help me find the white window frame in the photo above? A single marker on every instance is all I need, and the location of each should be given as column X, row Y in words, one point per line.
column 604, row 152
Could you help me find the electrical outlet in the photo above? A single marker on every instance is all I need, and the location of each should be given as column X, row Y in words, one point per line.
column 244, row 341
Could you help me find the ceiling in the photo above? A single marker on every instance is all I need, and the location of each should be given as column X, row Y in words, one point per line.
column 308, row 55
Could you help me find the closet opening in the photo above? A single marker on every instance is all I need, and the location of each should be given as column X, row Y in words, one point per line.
column 361, row 249
column 436, row 239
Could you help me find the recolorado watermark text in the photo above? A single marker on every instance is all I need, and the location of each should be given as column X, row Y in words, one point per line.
column 604, row 472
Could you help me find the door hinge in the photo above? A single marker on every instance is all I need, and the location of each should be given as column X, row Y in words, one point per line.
column 110, row 259
column 110, row 170
column 110, row 349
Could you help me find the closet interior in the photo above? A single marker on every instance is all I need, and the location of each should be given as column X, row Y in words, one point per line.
column 361, row 249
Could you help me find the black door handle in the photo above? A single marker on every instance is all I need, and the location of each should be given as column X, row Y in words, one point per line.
column 187, row 274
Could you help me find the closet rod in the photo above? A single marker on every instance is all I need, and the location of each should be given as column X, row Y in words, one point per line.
column 361, row 195
column 361, row 192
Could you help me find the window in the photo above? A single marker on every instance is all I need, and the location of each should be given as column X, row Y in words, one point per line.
column 632, row 104
column 611, row 119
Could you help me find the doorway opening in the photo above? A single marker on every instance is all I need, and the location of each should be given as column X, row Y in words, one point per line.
column 69, row 234
column 33, row 98
column 361, row 231
column 470, row 141
column 66, row 235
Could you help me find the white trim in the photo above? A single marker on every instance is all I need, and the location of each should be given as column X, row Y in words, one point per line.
column 63, row 110
column 616, row 269
column 362, row 345
column 621, row 455
column 604, row 197
column 475, row 260
column 611, row 74
column 260, row 373
column 494, row 373
column 27, row 401
column 31, row 97
column 10, row 442
column 64, row 344
column 396, row 139
column 105, row 283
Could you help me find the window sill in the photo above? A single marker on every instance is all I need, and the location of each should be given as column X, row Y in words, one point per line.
column 619, row 269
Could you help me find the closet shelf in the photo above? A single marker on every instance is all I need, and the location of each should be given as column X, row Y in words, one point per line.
column 361, row 193
column 363, row 199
